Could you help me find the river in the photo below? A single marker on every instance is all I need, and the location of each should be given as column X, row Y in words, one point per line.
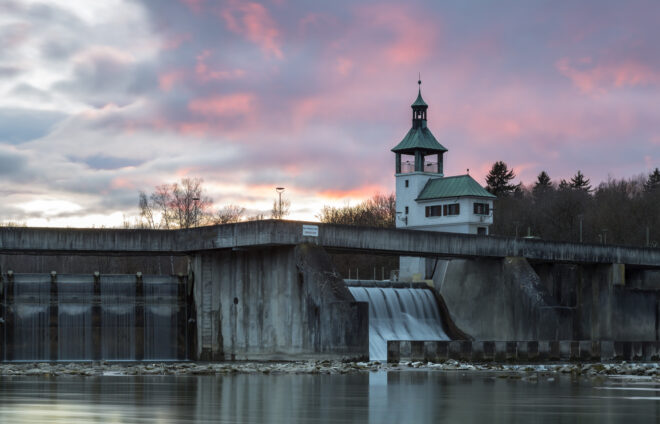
column 376, row 397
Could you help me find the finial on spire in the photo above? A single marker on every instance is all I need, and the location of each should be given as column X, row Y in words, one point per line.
column 419, row 80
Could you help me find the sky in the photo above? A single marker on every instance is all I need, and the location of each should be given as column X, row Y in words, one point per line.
column 102, row 99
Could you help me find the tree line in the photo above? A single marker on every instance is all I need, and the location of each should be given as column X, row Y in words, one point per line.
column 184, row 204
column 617, row 211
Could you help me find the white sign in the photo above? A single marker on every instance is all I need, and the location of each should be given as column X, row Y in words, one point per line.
column 311, row 230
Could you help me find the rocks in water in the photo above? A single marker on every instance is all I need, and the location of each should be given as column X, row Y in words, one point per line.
column 531, row 372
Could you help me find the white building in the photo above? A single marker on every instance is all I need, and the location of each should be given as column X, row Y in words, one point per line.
column 426, row 199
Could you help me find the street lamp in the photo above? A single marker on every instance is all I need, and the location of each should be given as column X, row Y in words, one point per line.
column 195, row 211
column 279, row 191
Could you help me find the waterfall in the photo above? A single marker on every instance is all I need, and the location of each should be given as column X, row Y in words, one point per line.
column 160, row 320
column 80, row 318
column 31, row 314
column 399, row 314
column 118, row 318
column 75, row 319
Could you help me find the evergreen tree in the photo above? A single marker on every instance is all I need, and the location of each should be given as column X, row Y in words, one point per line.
column 578, row 182
column 654, row 181
column 543, row 184
column 564, row 185
column 498, row 180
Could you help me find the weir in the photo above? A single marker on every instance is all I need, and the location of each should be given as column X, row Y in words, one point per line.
column 399, row 314
column 268, row 290
column 92, row 317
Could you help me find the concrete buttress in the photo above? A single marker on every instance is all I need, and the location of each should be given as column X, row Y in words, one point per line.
column 275, row 303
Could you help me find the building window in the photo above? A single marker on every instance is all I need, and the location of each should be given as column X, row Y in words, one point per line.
column 406, row 183
column 481, row 231
column 433, row 211
column 406, row 210
column 453, row 209
column 481, row 209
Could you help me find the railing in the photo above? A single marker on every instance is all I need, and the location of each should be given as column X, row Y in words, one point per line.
column 409, row 166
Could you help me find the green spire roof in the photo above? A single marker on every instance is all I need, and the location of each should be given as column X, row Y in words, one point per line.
column 419, row 138
column 419, row 101
column 457, row 186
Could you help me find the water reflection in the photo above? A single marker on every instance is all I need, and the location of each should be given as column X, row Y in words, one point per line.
column 401, row 397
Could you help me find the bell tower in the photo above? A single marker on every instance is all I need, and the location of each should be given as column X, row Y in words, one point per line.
column 418, row 158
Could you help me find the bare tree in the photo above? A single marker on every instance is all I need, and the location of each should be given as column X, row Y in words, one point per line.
column 179, row 205
column 280, row 208
column 146, row 211
column 189, row 205
column 228, row 214
column 257, row 217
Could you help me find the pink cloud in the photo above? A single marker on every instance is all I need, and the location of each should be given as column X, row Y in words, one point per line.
column 167, row 80
column 205, row 73
column 122, row 183
column 413, row 37
column 227, row 106
column 174, row 41
column 600, row 78
column 361, row 192
column 253, row 21
column 344, row 66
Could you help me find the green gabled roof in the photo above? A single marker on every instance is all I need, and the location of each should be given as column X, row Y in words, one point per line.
column 419, row 101
column 419, row 139
column 457, row 186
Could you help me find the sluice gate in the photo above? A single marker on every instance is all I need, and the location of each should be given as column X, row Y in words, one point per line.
column 72, row 317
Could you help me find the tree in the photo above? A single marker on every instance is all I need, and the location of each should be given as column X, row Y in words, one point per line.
column 228, row 214
column 579, row 182
column 178, row 205
column 543, row 184
column 281, row 208
column 653, row 181
column 497, row 180
column 378, row 211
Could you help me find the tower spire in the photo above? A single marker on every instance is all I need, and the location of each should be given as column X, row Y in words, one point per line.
column 419, row 107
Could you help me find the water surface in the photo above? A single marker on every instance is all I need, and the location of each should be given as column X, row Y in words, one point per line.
column 381, row 397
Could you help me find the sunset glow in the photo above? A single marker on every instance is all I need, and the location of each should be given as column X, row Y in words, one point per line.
column 104, row 99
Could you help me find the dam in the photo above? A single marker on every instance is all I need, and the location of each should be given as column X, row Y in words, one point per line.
column 268, row 290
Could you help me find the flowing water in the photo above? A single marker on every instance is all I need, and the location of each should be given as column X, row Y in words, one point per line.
column 381, row 397
column 399, row 314
column 65, row 320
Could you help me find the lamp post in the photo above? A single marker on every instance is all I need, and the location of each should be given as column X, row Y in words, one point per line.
column 195, row 211
column 279, row 191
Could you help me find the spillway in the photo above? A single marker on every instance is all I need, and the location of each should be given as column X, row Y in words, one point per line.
column 84, row 317
column 399, row 314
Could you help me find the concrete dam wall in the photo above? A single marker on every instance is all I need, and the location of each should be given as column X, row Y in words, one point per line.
column 267, row 290
column 511, row 299
column 276, row 303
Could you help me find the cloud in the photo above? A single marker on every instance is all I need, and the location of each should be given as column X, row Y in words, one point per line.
column 253, row 21
column 11, row 162
column 122, row 95
column 21, row 125
column 229, row 106
column 590, row 78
